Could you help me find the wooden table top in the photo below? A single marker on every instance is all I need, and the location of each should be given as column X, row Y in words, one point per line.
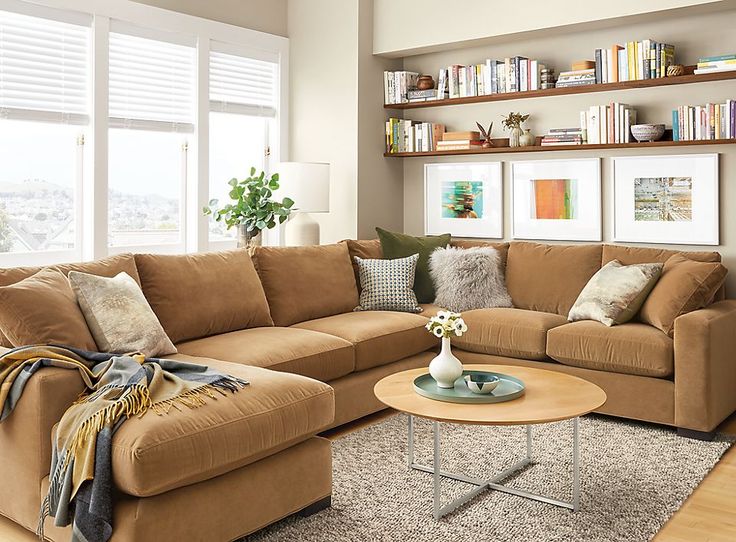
column 550, row 396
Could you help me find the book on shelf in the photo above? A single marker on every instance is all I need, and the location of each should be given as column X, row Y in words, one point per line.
column 635, row 60
column 472, row 135
column 512, row 74
column 606, row 124
column 458, row 145
column 563, row 136
column 396, row 86
column 715, row 64
column 576, row 78
column 704, row 122
column 403, row 135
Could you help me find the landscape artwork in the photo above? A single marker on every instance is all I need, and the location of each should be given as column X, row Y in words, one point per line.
column 663, row 199
column 462, row 199
column 554, row 199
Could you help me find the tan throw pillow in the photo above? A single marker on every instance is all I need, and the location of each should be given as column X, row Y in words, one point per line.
column 42, row 309
column 686, row 285
column 615, row 293
column 118, row 315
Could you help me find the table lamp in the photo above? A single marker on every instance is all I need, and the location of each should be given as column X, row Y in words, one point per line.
column 308, row 184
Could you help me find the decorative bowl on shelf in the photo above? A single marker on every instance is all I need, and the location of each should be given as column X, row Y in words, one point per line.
column 481, row 383
column 647, row 132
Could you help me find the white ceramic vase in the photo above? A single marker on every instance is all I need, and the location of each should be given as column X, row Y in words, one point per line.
column 445, row 368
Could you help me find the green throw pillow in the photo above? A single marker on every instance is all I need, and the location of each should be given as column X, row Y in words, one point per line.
column 398, row 245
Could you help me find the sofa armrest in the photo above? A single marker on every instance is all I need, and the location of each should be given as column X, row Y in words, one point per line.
column 25, row 441
column 705, row 366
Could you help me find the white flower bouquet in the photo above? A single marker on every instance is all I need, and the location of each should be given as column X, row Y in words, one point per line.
column 446, row 324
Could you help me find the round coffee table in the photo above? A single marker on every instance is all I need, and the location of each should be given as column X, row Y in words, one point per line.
column 550, row 396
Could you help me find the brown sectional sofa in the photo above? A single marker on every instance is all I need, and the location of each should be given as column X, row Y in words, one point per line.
column 286, row 325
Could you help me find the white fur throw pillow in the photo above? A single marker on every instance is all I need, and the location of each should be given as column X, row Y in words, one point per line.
column 468, row 278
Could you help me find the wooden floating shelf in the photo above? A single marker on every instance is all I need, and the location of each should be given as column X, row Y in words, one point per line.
column 539, row 148
column 583, row 89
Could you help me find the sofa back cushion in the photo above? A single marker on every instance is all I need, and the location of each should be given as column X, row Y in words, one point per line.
column 43, row 309
column 633, row 255
column 549, row 278
column 106, row 267
column 305, row 283
column 502, row 248
column 198, row 295
column 367, row 249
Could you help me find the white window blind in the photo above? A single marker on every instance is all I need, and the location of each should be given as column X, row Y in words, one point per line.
column 151, row 83
column 239, row 84
column 44, row 69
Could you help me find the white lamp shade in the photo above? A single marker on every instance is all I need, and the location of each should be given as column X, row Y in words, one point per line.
column 307, row 183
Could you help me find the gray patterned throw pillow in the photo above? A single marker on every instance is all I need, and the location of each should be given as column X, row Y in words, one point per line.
column 387, row 284
column 615, row 293
column 119, row 316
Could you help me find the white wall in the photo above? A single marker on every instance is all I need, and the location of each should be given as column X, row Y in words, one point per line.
column 263, row 15
column 404, row 27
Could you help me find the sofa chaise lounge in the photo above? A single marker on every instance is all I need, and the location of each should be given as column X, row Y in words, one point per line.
column 283, row 320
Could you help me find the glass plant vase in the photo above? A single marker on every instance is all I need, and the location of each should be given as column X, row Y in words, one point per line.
column 248, row 239
column 445, row 368
column 514, row 136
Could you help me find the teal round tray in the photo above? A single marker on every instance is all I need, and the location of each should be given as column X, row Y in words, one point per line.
column 508, row 389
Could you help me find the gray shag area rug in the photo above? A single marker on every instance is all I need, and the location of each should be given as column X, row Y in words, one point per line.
column 634, row 477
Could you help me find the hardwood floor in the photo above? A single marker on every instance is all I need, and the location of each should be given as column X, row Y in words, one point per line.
column 708, row 515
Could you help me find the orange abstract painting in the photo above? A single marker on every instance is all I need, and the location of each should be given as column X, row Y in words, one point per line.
column 554, row 199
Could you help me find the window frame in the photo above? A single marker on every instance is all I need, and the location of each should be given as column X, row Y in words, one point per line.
column 207, row 35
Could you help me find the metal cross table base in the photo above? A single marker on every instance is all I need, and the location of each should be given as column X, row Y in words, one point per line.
column 494, row 482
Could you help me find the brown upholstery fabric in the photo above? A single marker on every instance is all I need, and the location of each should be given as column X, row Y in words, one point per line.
column 633, row 255
column 430, row 309
column 685, row 285
column 304, row 283
column 154, row 454
column 705, row 369
column 549, row 278
column 292, row 350
column 629, row 396
column 42, row 309
column 632, row 348
column 514, row 333
column 379, row 337
column 25, row 441
column 106, row 267
column 198, row 295
column 367, row 249
column 354, row 397
column 223, row 508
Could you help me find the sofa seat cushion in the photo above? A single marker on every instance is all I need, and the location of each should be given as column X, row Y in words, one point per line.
column 155, row 454
column 300, row 351
column 632, row 348
column 515, row 333
column 379, row 337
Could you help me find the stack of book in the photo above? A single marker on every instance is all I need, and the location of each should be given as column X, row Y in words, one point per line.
column 605, row 124
column 576, row 78
column 403, row 135
column 563, row 136
column 709, row 121
column 414, row 96
column 513, row 74
column 459, row 141
column 396, row 86
column 714, row 64
column 646, row 59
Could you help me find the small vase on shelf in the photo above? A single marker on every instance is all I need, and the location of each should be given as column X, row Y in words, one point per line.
column 445, row 368
column 527, row 138
column 515, row 137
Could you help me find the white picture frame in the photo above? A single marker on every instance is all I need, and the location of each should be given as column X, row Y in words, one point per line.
column 687, row 216
column 481, row 181
column 570, row 190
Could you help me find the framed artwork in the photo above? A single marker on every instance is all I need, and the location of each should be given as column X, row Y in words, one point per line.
column 556, row 200
column 666, row 199
column 464, row 199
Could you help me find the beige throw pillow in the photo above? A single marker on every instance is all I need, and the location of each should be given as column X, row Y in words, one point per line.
column 615, row 293
column 119, row 316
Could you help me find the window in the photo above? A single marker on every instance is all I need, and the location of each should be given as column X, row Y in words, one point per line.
column 44, row 78
column 243, row 106
column 100, row 150
column 151, row 118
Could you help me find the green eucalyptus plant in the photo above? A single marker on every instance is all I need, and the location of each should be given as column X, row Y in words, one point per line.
column 252, row 206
